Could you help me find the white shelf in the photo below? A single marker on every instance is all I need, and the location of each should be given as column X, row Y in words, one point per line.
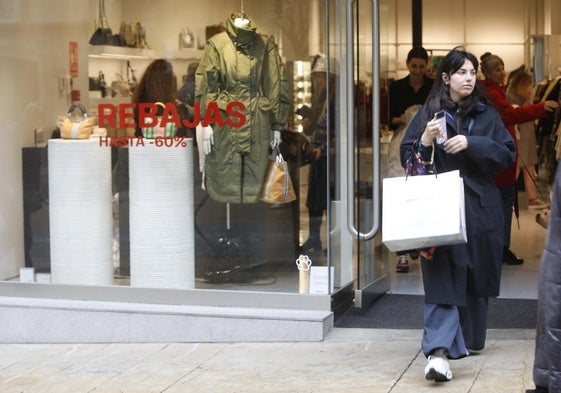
column 124, row 53
column 119, row 52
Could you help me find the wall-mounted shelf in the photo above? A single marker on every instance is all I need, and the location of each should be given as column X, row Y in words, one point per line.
column 119, row 52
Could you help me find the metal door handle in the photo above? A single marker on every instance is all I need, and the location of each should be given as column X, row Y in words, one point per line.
column 375, row 124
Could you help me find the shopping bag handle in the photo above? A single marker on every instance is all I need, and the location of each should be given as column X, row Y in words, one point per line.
column 278, row 155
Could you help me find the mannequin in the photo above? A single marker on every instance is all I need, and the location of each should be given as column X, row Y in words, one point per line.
column 241, row 22
column 239, row 65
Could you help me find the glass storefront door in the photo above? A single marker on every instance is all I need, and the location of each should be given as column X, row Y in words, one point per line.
column 358, row 31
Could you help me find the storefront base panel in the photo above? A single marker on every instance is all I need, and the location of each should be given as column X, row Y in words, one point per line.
column 29, row 320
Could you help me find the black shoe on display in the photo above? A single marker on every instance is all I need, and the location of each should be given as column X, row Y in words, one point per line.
column 510, row 258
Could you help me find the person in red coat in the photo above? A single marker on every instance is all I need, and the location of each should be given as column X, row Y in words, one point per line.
column 493, row 68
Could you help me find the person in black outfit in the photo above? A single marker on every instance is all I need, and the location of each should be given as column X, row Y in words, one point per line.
column 404, row 93
column 185, row 100
column 320, row 115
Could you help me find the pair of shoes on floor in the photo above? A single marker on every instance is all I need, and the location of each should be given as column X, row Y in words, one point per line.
column 510, row 258
column 402, row 264
column 438, row 368
column 536, row 204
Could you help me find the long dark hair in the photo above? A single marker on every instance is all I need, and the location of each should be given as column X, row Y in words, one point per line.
column 158, row 83
column 439, row 96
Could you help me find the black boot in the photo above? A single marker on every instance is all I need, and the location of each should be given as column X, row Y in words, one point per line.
column 314, row 241
column 510, row 258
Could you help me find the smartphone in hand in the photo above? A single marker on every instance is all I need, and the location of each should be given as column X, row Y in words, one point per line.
column 441, row 115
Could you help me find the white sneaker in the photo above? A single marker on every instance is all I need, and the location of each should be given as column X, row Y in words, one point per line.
column 438, row 369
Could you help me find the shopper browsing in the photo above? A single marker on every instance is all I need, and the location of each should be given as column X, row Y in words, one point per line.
column 157, row 84
column 459, row 279
column 519, row 93
column 494, row 71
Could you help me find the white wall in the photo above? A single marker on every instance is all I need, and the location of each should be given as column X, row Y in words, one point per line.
column 503, row 27
column 33, row 52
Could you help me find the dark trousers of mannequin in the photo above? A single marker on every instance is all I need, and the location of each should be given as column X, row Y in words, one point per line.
column 314, row 240
column 316, row 202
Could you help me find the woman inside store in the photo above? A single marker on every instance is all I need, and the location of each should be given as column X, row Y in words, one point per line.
column 519, row 93
column 493, row 68
column 157, row 84
column 319, row 126
column 404, row 93
column 459, row 279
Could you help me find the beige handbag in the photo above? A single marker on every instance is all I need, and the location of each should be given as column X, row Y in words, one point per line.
column 278, row 187
column 129, row 31
column 74, row 126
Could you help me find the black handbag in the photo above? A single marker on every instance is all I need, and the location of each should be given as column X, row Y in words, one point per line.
column 103, row 35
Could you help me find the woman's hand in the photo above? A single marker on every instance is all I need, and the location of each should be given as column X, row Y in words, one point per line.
column 456, row 144
column 550, row 105
column 316, row 153
column 432, row 130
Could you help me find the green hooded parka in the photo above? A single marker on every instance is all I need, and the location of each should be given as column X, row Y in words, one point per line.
column 240, row 65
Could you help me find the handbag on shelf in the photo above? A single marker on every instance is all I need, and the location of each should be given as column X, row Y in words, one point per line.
column 103, row 35
column 130, row 34
column 423, row 211
column 98, row 84
column 120, row 87
column 131, row 77
column 142, row 43
column 186, row 38
column 134, row 35
column 74, row 126
column 278, row 187
column 157, row 130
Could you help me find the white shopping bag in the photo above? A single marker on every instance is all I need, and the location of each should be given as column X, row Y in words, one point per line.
column 423, row 211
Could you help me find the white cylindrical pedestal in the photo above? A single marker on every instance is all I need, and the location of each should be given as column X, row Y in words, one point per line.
column 80, row 212
column 162, row 240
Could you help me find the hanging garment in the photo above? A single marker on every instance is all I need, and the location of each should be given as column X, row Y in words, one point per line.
column 241, row 66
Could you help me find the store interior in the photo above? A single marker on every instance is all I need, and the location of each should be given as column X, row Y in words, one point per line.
column 511, row 31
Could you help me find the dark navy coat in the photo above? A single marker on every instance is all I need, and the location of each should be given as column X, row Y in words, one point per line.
column 473, row 268
column 547, row 370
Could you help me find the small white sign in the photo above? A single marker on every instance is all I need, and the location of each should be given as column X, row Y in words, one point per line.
column 26, row 274
column 320, row 280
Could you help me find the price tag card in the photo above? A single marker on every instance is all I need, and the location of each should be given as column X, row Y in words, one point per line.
column 320, row 282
